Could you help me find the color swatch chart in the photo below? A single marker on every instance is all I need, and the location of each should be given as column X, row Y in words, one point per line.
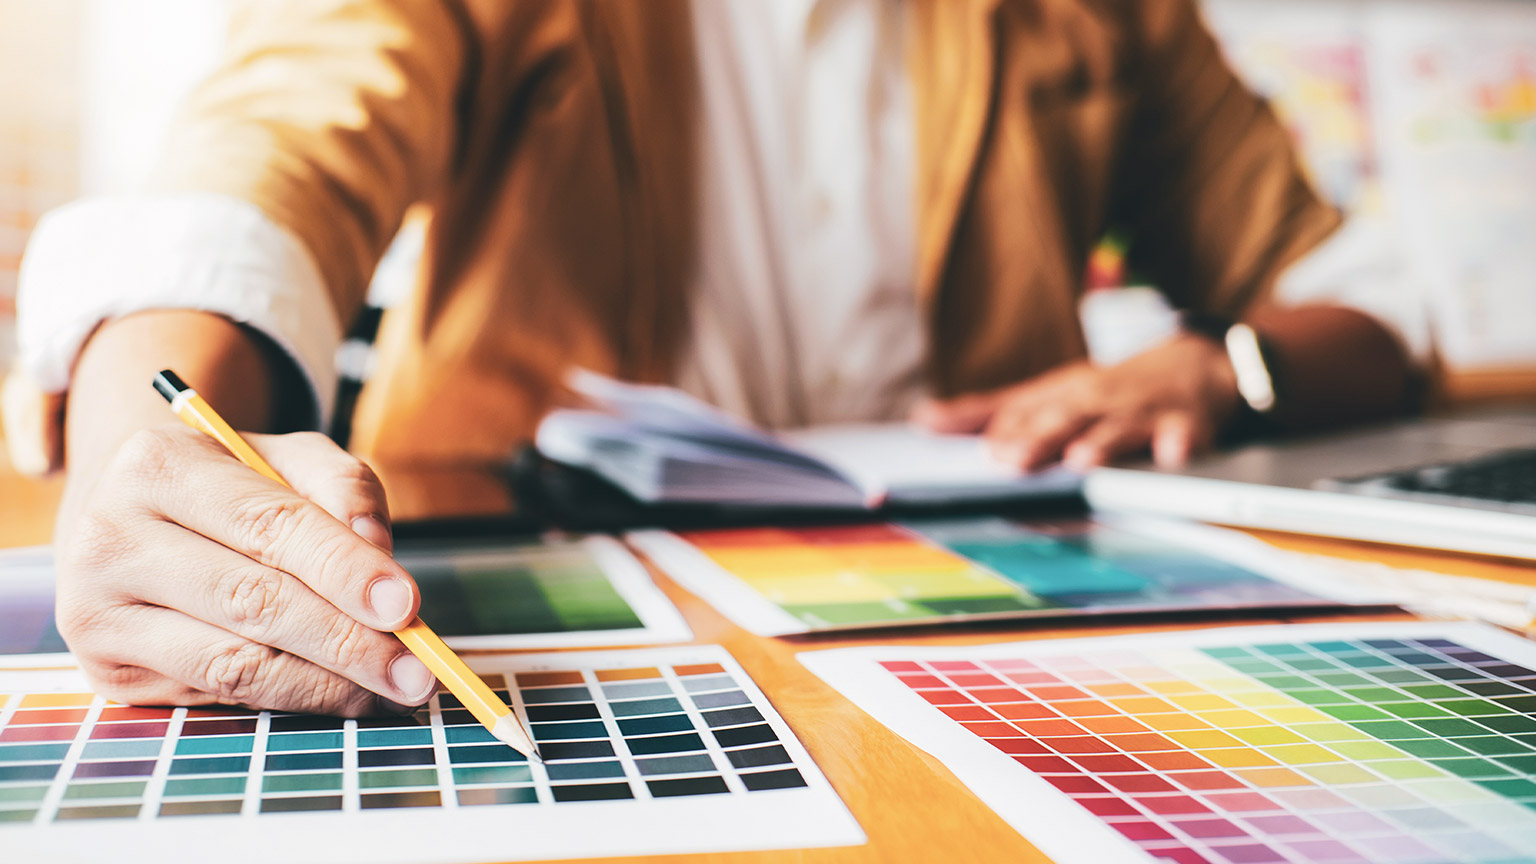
column 645, row 752
column 1366, row 743
column 589, row 592
column 775, row 581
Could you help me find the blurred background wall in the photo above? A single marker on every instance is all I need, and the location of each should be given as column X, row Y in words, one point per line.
column 1416, row 116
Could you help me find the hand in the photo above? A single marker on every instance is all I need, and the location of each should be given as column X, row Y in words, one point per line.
column 186, row 578
column 1174, row 399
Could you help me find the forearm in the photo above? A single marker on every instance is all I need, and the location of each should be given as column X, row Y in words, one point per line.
column 253, row 384
column 1334, row 366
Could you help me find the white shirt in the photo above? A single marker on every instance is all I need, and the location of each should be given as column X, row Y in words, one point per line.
column 804, row 308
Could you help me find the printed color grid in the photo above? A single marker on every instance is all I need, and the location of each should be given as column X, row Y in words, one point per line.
column 1380, row 748
column 630, row 734
column 538, row 588
column 877, row 575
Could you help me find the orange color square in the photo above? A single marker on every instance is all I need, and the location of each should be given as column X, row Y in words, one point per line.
column 548, row 679
column 699, row 669
column 1113, row 725
column 1117, row 689
column 628, row 674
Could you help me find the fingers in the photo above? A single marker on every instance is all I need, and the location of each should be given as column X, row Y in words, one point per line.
column 217, row 497
column 342, row 484
column 963, row 415
column 190, row 662
column 1029, row 438
column 273, row 608
column 1177, row 436
column 1107, row 440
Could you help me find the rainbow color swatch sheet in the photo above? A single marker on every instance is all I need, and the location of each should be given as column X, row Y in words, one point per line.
column 1363, row 743
column 777, row 581
column 648, row 751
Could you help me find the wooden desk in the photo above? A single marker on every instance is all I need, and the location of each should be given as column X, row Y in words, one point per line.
column 911, row 807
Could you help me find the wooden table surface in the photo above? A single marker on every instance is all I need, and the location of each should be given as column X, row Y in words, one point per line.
column 911, row 807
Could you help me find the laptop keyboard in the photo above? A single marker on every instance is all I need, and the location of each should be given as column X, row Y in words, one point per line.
column 1505, row 480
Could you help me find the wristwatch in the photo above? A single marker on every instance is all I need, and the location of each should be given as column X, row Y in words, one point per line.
column 1251, row 361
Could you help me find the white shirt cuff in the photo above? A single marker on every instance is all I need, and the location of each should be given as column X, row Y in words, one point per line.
column 96, row 260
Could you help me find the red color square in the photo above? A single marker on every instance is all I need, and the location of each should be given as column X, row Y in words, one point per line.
column 1077, row 744
column 900, row 666
column 944, row 697
column 1180, row 855
column 1050, row 728
column 955, row 666
column 1076, row 785
column 1144, row 742
column 978, row 679
column 1141, row 831
column 1047, row 764
column 1137, row 783
column 1053, row 694
column 39, row 733
column 1207, row 828
column 1108, row 806
column 1035, row 677
column 1171, row 805
column 967, row 712
column 46, row 716
column 998, row 694
column 1023, row 710
column 1112, row 764
column 1242, row 802
column 1083, row 708
column 923, row 681
column 1018, row 746
column 1178, row 760
column 1202, row 781
column 994, row 729
column 116, row 713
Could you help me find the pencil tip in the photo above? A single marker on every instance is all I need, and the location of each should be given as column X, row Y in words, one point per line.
column 511, row 732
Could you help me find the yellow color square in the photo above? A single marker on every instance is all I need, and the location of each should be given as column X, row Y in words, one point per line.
column 1200, row 739
column 1107, row 690
column 1139, row 705
column 1340, row 774
column 774, row 561
column 1172, row 722
column 57, row 700
column 1172, row 686
column 1302, row 754
column 971, row 582
column 1289, row 716
column 895, row 556
column 1237, row 718
column 1236, row 757
column 1266, row 735
column 1263, row 699
column 820, row 587
column 1201, row 702
column 1273, row 778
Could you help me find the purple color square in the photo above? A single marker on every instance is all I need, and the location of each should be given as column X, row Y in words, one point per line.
column 1249, row 853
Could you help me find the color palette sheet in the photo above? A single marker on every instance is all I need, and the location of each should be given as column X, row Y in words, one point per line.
column 555, row 593
column 777, row 581
column 1360, row 743
column 28, row 636
column 649, row 751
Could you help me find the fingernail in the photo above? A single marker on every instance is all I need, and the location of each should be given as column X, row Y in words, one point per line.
column 390, row 706
column 411, row 678
column 390, row 599
column 373, row 529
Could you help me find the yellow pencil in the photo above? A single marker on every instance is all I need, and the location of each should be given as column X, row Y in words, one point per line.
column 481, row 701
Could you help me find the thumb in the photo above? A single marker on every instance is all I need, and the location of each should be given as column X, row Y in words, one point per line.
column 340, row 483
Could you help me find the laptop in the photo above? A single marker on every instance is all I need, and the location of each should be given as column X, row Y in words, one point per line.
column 1464, row 482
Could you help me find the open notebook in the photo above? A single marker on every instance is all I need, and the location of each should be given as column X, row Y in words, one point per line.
column 661, row 445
